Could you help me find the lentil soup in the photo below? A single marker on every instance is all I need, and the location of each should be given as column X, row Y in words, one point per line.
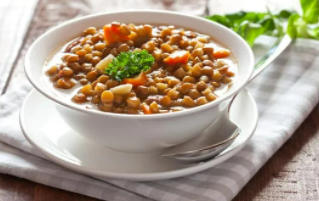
column 141, row 69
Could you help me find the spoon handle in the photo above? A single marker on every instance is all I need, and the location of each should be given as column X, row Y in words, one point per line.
column 271, row 55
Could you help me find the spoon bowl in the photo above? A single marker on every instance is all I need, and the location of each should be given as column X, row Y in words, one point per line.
column 200, row 147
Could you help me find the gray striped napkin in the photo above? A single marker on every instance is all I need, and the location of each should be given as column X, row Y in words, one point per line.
column 15, row 16
column 285, row 93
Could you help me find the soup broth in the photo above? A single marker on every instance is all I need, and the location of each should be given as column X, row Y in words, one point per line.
column 141, row 69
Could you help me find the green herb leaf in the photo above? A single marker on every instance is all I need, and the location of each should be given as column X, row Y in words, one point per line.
column 313, row 31
column 221, row 19
column 129, row 64
column 291, row 28
column 250, row 25
column 310, row 10
column 298, row 28
column 250, row 31
column 284, row 14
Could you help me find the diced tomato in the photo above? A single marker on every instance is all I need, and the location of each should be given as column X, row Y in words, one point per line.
column 146, row 109
column 177, row 57
column 141, row 79
column 222, row 53
column 112, row 34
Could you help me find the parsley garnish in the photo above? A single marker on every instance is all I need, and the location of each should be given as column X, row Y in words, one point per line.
column 129, row 64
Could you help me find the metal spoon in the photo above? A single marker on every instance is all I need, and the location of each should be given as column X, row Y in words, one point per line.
column 208, row 144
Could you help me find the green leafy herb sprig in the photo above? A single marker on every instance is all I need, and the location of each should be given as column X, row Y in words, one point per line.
column 305, row 26
column 129, row 64
column 250, row 25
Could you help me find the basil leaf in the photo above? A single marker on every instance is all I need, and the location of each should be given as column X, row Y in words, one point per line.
column 220, row 19
column 291, row 28
column 310, row 10
column 284, row 14
column 250, row 25
column 313, row 31
column 250, row 31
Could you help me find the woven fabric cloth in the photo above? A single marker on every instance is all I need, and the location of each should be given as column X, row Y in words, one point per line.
column 285, row 94
column 12, row 31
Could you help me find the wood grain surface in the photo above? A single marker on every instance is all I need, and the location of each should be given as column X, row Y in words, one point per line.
column 291, row 174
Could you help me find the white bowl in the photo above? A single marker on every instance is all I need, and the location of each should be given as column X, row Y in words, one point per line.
column 137, row 133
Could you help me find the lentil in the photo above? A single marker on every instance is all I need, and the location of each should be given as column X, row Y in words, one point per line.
column 189, row 83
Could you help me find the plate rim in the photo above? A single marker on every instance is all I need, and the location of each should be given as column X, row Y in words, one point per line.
column 58, row 159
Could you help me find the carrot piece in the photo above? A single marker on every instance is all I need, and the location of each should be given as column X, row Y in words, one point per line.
column 109, row 35
column 112, row 34
column 115, row 29
column 146, row 109
column 141, row 79
column 177, row 57
column 222, row 53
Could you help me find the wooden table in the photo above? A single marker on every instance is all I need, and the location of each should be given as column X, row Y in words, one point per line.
column 284, row 177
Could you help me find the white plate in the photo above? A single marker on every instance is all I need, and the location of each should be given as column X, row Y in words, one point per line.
column 44, row 129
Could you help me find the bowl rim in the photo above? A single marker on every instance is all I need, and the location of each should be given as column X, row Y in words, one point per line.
column 28, row 71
